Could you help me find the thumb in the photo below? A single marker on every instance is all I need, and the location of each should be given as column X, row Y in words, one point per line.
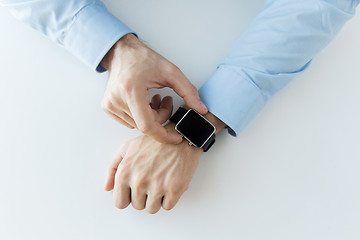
column 186, row 90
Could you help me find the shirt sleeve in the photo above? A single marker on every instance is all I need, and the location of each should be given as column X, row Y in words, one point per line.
column 83, row 27
column 276, row 47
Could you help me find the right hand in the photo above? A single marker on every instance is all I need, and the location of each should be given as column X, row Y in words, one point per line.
column 134, row 69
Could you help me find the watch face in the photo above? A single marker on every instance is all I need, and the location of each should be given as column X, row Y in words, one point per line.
column 195, row 128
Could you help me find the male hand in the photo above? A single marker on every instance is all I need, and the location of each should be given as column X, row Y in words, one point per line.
column 150, row 174
column 134, row 69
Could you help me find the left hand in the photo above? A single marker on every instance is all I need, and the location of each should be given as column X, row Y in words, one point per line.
column 150, row 174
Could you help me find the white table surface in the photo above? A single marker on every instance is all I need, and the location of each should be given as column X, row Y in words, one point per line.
column 293, row 173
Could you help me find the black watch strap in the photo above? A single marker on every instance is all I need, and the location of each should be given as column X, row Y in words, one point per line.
column 179, row 114
column 209, row 143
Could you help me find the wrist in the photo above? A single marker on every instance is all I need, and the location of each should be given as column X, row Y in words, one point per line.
column 199, row 130
column 220, row 125
column 128, row 41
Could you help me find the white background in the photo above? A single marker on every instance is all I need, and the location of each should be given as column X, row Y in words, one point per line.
column 293, row 173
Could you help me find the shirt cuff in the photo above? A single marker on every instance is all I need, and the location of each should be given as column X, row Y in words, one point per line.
column 92, row 34
column 233, row 98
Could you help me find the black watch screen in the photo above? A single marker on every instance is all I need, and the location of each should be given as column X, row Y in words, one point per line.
column 195, row 128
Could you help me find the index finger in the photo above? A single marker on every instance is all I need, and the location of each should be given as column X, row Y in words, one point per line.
column 145, row 120
column 186, row 90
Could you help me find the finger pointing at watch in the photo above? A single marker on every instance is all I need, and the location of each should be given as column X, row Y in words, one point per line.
column 134, row 69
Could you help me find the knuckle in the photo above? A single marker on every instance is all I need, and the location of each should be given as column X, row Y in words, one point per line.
column 159, row 180
column 106, row 105
column 158, row 190
column 127, row 85
column 177, row 188
column 145, row 128
column 194, row 90
column 140, row 182
column 114, row 98
column 173, row 69
column 123, row 174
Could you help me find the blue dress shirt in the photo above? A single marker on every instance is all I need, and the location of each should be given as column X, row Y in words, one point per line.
column 277, row 46
column 84, row 27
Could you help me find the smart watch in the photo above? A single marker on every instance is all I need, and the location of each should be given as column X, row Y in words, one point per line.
column 196, row 129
